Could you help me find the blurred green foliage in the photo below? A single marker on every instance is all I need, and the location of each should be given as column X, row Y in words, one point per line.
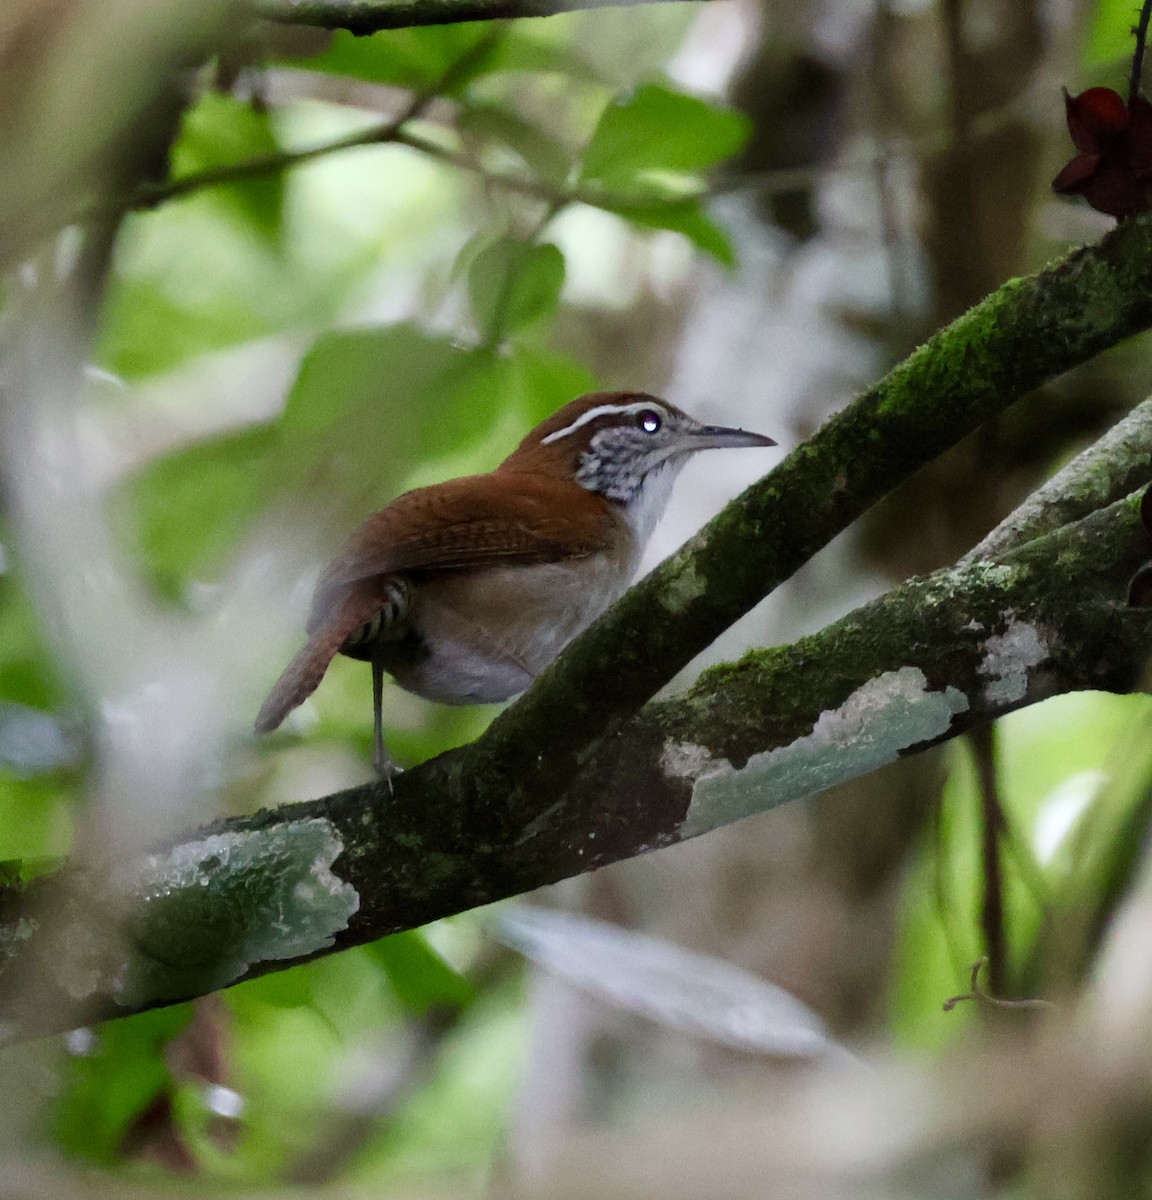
column 512, row 283
column 414, row 306
column 1109, row 40
column 655, row 131
column 221, row 132
column 114, row 1080
column 419, row 310
column 417, row 59
column 1059, row 787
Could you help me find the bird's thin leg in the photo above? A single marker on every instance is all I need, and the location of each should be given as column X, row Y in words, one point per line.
column 381, row 760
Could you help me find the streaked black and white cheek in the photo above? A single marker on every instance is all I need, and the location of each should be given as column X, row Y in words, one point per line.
column 615, row 463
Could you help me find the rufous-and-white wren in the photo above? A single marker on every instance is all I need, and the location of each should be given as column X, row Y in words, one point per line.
column 465, row 591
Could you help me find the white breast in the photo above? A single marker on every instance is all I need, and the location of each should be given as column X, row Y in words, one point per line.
column 645, row 509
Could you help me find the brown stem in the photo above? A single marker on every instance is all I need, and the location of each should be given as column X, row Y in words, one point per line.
column 992, row 911
column 1141, row 31
column 269, row 164
column 976, row 992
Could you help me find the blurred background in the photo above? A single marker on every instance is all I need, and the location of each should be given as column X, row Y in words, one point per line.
column 359, row 265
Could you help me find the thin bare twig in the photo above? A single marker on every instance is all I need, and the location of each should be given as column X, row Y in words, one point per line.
column 1141, row 31
column 976, row 992
column 395, row 132
column 271, row 164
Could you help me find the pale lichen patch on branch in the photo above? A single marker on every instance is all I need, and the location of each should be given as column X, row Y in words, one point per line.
column 876, row 723
column 200, row 915
column 1008, row 659
column 688, row 760
column 683, row 588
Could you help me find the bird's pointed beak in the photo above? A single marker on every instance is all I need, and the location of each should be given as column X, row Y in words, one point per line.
column 716, row 437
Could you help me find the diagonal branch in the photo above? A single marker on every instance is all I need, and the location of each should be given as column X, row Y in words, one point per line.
column 391, row 131
column 929, row 660
column 573, row 776
column 1027, row 332
column 395, row 132
column 1112, row 467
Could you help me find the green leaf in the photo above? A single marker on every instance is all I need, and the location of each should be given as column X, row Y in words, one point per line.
column 146, row 330
column 609, row 46
column 471, row 394
column 407, row 58
column 280, row 989
column 28, row 673
column 543, row 381
column 219, row 131
column 512, row 283
column 184, row 513
column 35, row 816
column 536, row 150
column 470, row 251
column 658, row 130
column 375, row 402
column 365, row 377
column 1110, row 37
column 114, row 1083
column 546, row 47
column 686, row 216
column 420, row 978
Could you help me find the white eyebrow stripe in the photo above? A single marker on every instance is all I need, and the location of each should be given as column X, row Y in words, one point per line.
column 602, row 411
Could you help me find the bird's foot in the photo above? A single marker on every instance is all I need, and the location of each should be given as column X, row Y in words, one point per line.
column 386, row 770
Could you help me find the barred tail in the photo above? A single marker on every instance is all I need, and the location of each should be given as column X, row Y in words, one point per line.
column 302, row 675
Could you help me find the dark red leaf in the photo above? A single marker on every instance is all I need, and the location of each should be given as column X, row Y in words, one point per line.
column 1115, row 190
column 1095, row 117
column 1113, row 170
column 1075, row 174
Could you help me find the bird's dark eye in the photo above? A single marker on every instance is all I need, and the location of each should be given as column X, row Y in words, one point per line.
column 649, row 420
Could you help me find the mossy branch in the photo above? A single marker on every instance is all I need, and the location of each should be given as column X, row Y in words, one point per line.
column 925, row 662
column 580, row 772
column 1022, row 335
column 1118, row 463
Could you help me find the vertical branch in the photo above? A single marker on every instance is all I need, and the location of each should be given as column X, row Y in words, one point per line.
column 992, row 909
column 883, row 113
column 1141, row 31
column 964, row 277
